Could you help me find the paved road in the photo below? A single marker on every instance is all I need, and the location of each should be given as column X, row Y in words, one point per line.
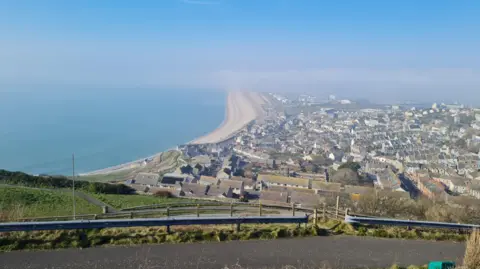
column 336, row 251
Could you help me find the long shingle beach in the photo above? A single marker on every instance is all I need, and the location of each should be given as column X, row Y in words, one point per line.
column 241, row 109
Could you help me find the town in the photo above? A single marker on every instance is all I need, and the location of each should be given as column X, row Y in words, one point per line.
column 308, row 153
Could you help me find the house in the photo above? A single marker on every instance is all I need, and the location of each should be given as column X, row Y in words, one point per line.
column 322, row 187
column 306, row 200
column 192, row 190
column 202, row 160
column 237, row 186
column 248, row 183
column 454, row 184
column 146, row 179
column 431, row 188
column 274, row 197
column 388, row 180
column 206, row 180
column 222, row 175
column 171, row 180
column 220, row 191
column 273, row 180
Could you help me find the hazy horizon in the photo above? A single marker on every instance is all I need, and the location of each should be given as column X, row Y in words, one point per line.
column 371, row 49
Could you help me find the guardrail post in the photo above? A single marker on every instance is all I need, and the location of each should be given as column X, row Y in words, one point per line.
column 198, row 210
column 293, row 209
column 168, row 215
column 131, row 215
column 346, row 212
column 336, row 207
column 168, row 229
column 324, row 213
column 104, row 209
column 260, row 209
column 315, row 216
column 238, row 227
column 231, row 209
column 95, row 216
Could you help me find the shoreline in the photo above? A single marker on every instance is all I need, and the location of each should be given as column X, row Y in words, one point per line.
column 241, row 108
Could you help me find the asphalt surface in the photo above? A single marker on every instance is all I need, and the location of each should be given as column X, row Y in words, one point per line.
column 313, row 252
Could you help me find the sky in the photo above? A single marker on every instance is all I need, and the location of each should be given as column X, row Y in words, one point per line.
column 385, row 49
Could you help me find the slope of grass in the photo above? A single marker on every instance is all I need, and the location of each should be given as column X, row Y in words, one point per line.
column 120, row 201
column 18, row 202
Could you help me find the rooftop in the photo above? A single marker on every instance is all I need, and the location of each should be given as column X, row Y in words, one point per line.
column 147, row 178
column 234, row 184
column 281, row 180
column 325, row 186
column 208, row 180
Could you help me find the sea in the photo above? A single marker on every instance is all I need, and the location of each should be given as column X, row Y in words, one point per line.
column 40, row 128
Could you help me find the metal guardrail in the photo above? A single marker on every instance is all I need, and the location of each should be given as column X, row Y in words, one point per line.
column 171, row 221
column 408, row 223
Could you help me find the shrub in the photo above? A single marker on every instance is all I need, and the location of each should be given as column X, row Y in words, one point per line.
column 471, row 259
column 163, row 193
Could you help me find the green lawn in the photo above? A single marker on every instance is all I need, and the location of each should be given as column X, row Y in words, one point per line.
column 17, row 202
column 112, row 177
column 120, row 201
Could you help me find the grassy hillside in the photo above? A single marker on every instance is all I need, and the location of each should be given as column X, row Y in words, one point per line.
column 131, row 200
column 18, row 202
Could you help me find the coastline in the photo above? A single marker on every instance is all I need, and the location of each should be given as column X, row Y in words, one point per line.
column 241, row 108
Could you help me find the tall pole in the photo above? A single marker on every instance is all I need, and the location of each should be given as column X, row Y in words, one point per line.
column 73, row 187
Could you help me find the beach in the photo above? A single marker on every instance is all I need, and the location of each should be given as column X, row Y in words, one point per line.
column 241, row 109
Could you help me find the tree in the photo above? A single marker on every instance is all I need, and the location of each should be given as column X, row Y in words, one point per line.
column 315, row 169
column 274, row 164
column 346, row 176
column 351, row 165
column 461, row 143
column 187, row 169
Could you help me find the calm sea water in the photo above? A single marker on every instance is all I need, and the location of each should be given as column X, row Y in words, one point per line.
column 41, row 128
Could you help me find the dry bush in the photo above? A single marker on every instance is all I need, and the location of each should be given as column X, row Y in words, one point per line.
column 163, row 193
column 12, row 213
column 471, row 259
column 380, row 205
column 445, row 213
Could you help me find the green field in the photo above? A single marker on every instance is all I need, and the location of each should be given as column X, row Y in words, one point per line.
column 18, row 202
column 121, row 201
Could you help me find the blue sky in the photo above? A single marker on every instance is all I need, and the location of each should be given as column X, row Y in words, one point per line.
column 389, row 47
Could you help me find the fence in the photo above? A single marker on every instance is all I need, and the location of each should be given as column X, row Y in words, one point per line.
column 170, row 221
column 198, row 210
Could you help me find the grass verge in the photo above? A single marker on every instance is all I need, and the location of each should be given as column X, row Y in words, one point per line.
column 339, row 227
column 40, row 240
column 18, row 202
column 121, row 201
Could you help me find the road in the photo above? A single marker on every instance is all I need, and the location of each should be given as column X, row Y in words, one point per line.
column 313, row 252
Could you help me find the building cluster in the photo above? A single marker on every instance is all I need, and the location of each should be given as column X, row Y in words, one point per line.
column 301, row 157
